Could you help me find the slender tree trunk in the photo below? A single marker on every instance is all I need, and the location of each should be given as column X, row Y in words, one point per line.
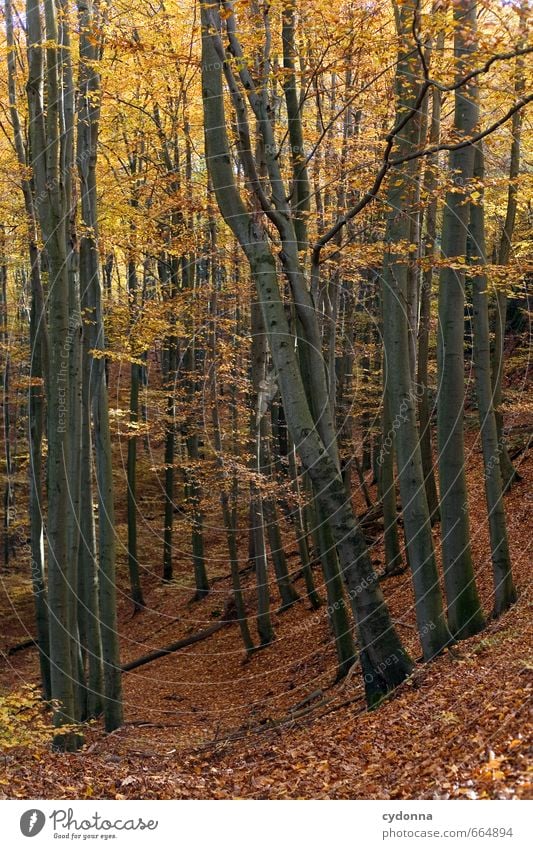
column 430, row 252
column 366, row 459
column 229, row 516
column 72, row 345
column 193, row 489
column 6, row 415
column 169, row 367
column 465, row 615
column 131, row 464
column 100, row 580
column 301, row 186
column 504, row 590
column 286, row 589
column 36, row 411
column 38, row 348
column 508, row 471
column 401, row 396
column 259, row 435
column 47, row 151
column 387, row 484
column 88, row 607
column 170, row 441
column 301, row 533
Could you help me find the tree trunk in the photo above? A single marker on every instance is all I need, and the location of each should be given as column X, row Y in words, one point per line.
column 4, row 339
column 464, row 610
column 384, row 661
column 301, row 533
column 88, row 607
column 102, row 624
column 72, row 345
column 387, row 485
column 36, row 414
column 429, row 252
column 504, row 590
column 401, row 396
column 168, row 368
column 131, row 466
column 259, row 435
column 193, row 489
column 508, row 471
column 52, row 216
column 39, row 355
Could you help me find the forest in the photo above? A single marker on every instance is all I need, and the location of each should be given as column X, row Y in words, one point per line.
column 265, row 463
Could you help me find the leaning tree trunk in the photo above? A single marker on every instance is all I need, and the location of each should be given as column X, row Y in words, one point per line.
column 465, row 615
column 319, row 377
column 338, row 613
column 384, row 661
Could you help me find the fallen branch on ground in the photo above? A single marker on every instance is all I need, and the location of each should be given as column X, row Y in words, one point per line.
column 27, row 644
column 228, row 618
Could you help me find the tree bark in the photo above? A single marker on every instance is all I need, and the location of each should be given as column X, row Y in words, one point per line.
column 102, row 624
column 131, row 465
column 400, row 391
column 508, row 471
column 504, row 590
column 46, row 150
column 465, row 615
column 429, row 253
column 38, row 360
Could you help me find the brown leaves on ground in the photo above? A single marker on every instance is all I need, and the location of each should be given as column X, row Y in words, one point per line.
column 203, row 724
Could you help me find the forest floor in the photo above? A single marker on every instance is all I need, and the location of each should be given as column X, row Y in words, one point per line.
column 202, row 723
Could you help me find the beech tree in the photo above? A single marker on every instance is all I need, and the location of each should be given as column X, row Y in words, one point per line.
column 314, row 438
column 464, row 609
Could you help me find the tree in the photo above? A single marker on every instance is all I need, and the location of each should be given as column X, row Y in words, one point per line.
column 378, row 639
column 49, row 140
column 38, row 339
column 504, row 590
column 464, row 609
column 91, row 287
column 398, row 333
column 509, row 473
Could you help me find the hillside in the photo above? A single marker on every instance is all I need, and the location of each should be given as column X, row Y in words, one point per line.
column 202, row 723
